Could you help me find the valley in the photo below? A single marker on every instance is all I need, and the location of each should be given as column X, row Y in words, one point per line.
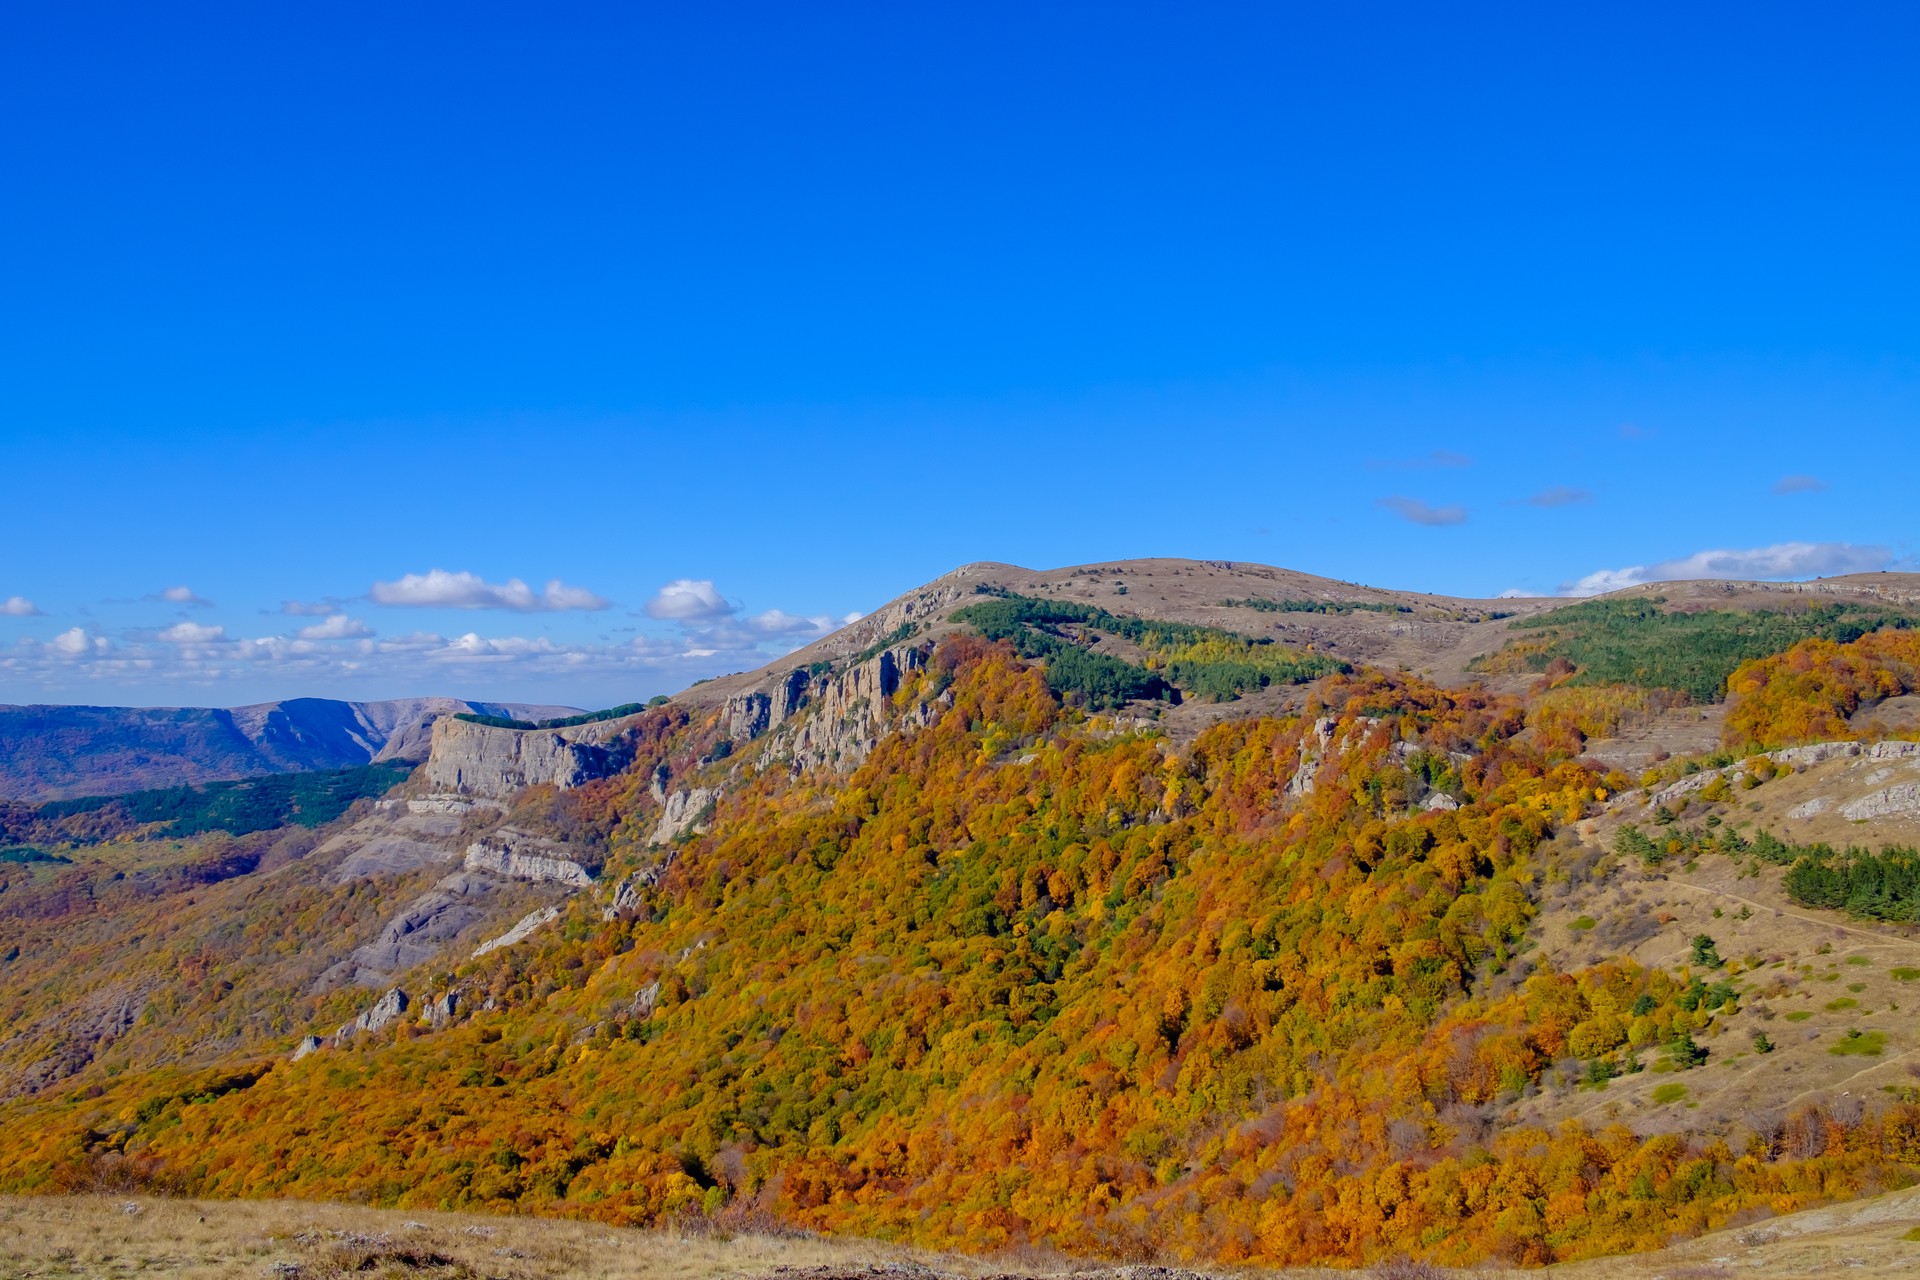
column 53, row 752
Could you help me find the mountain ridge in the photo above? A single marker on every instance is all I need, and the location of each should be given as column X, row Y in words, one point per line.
column 1198, row 591
column 53, row 751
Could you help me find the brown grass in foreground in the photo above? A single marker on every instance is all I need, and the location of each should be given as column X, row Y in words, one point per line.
column 114, row 1236
column 89, row 1236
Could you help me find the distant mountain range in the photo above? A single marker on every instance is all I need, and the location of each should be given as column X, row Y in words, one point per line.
column 52, row 752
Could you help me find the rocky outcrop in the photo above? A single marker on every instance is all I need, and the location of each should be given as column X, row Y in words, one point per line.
column 450, row 805
column 752, row 714
column 644, row 1000
column 1821, row 752
column 1816, row 753
column 392, row 841
column 1313, row 748
column 456, row 902
column 1897, row 801
column 853, row 710
column 1902, row 801
column 441, row 1011
column 681, row 814
column 847, row 712
column 626, row 900
column 385, row 1011
column 626, row 894
column 521, row 931
column 417, row 934
column 516, row 855
column 483, row 760
column 389, row 855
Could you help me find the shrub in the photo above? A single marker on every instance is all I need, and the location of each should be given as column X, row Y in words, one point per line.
column 1858, row 1043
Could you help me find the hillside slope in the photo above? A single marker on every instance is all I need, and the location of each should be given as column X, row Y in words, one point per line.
column 1135, row 924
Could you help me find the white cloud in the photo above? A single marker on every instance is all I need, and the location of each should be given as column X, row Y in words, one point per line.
column 181, row 595
column 1799, row 484
column 328, row 651
column 19, row 607
column 337, row 626
column 472, row 645
column 559, row 595
column 438, row 589
column 75, row 641
column 1782, row 560
column 1420, row 513
column 778, row 622
column 191, row 633
column 689, row 600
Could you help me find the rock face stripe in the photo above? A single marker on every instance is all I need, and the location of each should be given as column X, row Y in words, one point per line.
column 514, row 864
column 520, row 932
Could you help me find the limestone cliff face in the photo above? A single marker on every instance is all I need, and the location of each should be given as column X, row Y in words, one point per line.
column 515, row 855
column 478, row 759
column 845, row 714
column 682, row 813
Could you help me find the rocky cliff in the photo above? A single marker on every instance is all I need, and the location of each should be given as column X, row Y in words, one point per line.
column 817, row 718
column 483, row 760
column 515, row 855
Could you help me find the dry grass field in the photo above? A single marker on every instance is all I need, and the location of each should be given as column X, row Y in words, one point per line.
column 108, row 1236
column 113, row 1236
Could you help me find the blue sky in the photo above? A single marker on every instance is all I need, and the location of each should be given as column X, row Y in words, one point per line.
column 333, row 341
